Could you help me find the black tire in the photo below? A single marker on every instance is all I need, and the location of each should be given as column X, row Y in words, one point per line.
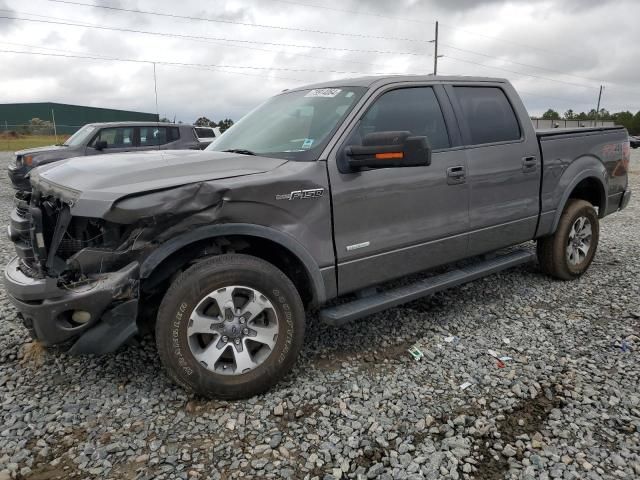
column 196, row 283
column 552, row 250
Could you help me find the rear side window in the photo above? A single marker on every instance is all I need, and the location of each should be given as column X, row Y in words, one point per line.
column 413, row 109
column 204, row 133
column 173, row 134
column 151, row 136
column 489, row 114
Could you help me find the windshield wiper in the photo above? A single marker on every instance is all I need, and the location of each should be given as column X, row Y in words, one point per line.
column 241, row 151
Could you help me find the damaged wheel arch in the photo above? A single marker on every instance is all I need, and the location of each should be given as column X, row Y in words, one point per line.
column 212, row 232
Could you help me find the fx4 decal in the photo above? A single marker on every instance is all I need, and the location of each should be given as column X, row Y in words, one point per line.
column 298, row 194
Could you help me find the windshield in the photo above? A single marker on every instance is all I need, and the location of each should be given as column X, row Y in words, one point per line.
column 80, row 136
column 293, row 125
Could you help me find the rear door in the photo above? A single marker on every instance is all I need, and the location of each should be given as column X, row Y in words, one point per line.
column 390, row 222
column 155, row 137
column 503, row 165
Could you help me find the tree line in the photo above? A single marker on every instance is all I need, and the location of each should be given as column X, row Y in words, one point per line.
column 627, row 119
column 222, row 124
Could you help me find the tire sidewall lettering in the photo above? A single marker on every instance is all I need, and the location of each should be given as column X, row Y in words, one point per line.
column 288, row 324
column 175, row 339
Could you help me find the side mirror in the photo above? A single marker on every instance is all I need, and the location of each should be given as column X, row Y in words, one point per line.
column 389, row 149
column 100, row 145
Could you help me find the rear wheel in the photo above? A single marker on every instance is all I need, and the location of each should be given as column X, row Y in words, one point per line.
column 568, row 253
column 230, row 327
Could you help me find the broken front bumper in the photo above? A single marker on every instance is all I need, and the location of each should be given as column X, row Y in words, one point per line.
column 111, row 300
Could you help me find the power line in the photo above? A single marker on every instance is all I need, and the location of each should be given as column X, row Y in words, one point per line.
column 201, row 37
column 235, row 22
column 635, row 92
column 292, row 45
column 356, row 12
column 180, row 64
column 519, row 73
column 498, row 39
column 486, row 55
column 220, row 68
column 315, row 57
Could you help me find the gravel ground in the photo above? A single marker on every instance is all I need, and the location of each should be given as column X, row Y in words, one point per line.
column 357, row 404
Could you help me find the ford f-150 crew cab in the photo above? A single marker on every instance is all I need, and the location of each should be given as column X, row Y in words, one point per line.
column 326, row 191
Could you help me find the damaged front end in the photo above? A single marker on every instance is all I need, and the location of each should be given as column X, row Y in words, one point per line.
column 75, row 279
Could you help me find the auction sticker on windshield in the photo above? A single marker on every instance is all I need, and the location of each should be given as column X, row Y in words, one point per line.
column 323, row 92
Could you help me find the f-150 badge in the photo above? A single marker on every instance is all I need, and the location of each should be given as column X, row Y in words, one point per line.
column 300, row 194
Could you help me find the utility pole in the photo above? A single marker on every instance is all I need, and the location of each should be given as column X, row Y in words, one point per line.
column 598, row 107
column 435, row 52
column 55, row 130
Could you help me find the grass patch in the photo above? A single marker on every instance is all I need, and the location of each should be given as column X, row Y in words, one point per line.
column 11, row 143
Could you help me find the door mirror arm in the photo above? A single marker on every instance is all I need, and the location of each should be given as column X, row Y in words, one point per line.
column 100, row 145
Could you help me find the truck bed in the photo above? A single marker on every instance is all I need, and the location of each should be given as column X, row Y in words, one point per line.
column 570, row 154
column 548, row 132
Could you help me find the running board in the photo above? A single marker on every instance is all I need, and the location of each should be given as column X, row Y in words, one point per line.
column 361, row 307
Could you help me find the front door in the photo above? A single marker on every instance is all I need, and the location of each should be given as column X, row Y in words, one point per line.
column 119, row 139
column 391, row 222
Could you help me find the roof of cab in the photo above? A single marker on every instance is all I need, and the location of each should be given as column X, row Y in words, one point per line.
column 379, row 80
column 139, row 124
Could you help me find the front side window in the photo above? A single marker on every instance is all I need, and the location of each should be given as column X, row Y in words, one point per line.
column 119, row 137
column 151, row 136
column 293, row 125
column 489, row 115
column 415, row 110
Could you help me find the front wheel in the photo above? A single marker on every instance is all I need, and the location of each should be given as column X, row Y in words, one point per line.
column 568, row 253
column 230, row 327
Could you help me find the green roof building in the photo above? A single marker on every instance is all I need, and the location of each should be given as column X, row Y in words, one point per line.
column 68, row 118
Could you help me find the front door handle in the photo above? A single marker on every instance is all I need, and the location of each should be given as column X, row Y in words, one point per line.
column 456, row 175
column 529, row 164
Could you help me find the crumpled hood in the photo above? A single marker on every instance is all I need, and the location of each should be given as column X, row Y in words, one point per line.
column 93, row 183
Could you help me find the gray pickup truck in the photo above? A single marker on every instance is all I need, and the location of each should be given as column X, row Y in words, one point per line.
column 102, row 138
column 323, row 192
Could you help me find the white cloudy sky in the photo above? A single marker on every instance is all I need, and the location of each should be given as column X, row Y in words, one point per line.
column 557, row 53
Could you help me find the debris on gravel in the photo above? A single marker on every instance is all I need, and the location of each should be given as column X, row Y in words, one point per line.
column 565, row 405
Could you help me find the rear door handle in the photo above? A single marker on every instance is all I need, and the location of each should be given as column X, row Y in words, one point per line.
column 529, row 164
column 456, row 175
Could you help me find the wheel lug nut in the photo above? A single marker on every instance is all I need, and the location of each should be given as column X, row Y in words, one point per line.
column 242, row 320
column 225, row 339
column 237, row 341
column 245, row 331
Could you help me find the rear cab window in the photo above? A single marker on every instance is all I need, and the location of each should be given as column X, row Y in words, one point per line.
column 152, row 136
column 204, row 132
column 489, row 116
